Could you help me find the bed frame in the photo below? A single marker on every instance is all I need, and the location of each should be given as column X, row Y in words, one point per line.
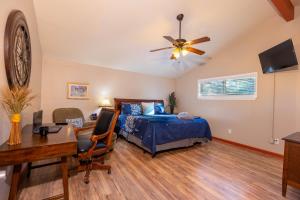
column 118, row 102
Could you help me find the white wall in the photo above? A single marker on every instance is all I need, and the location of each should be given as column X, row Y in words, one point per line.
column 250, row 121
column 103, row 82
column 26, row 6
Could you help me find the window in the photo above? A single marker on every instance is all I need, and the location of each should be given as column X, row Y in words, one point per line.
column 237, row 87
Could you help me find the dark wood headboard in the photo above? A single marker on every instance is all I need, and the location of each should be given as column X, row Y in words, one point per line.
column 118, row 102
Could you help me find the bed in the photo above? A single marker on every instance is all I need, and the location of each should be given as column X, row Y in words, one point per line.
column 160, row 132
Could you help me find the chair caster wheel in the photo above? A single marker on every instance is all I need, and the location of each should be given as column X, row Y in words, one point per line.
column 109, row 171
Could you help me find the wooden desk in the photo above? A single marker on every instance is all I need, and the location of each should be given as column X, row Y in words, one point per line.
column 291, row 164
column 35, row 148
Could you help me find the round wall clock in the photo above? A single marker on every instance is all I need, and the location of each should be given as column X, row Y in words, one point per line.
column 17, row 50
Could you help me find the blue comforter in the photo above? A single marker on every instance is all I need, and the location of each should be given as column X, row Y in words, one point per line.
column 160, row 129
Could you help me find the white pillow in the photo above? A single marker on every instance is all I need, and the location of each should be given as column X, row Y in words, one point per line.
column 148, row 108
column 77, row 122
column 185, row 115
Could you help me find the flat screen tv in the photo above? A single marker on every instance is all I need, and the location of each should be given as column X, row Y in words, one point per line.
column 279, row 58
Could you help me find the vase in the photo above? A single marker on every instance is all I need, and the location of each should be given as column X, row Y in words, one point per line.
column 15, row 131
column 172, row 109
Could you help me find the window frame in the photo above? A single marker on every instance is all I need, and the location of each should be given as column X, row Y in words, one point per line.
column 228, row 97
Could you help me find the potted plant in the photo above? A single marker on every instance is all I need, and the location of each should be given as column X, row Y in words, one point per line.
column 14, row 102
column 172, row 102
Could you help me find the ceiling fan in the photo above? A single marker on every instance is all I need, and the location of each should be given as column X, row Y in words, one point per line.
column 180, row 45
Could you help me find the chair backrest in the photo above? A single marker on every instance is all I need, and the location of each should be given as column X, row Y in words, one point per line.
column 106, row 122
column 61, row 114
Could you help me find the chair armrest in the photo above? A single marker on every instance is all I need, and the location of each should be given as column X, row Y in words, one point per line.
column 89, row 123
column 95, row 139
column 78, row 130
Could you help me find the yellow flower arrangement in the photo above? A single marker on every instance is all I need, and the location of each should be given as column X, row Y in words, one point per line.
column 14, row 102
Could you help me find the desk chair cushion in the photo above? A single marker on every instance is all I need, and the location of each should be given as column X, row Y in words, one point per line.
column 102, row 126
column 103, row 122
column 83, row 145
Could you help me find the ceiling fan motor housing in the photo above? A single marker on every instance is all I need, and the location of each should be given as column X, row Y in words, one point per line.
column 180, row 17
column 181, row 40
column 180, row 43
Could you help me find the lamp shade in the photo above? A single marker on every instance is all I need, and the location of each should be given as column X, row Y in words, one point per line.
column 105, row 103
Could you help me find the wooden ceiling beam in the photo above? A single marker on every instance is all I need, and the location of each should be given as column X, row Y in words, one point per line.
column 285, row 8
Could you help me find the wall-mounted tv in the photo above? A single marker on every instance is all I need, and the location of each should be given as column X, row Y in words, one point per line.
column 279, row 58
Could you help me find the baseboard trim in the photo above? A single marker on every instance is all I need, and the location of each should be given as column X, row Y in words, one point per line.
column 249, row 147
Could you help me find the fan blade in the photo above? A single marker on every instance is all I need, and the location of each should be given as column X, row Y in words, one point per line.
column 161, row 49
column 170, row 39
column 196, row 51
column 197, row 41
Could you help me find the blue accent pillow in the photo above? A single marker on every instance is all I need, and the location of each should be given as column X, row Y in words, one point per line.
column 159, row 108
column 126, row 109
column 131, row 109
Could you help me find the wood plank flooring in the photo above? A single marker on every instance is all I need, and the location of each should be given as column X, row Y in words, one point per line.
column 212, row 171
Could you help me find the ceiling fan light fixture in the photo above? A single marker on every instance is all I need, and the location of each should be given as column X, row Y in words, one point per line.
column 184, row 52
column 176, row 53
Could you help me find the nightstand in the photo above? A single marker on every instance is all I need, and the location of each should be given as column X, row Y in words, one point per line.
column 291, row 163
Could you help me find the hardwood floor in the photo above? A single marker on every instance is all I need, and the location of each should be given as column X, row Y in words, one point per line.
column 211, row 171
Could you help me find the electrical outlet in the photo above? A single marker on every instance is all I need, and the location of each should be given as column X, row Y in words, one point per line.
column 229, row 131
column 275, row 141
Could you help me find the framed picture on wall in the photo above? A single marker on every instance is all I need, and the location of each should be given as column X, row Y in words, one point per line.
column 78, row 90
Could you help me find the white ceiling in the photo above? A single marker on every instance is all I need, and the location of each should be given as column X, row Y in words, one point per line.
column 119, row 34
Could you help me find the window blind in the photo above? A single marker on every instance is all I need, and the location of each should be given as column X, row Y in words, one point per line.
column 237, row 86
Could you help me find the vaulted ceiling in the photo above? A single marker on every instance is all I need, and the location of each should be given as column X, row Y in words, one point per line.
column 119, row 34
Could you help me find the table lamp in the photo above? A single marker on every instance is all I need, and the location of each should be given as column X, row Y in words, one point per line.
column 105, row 103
